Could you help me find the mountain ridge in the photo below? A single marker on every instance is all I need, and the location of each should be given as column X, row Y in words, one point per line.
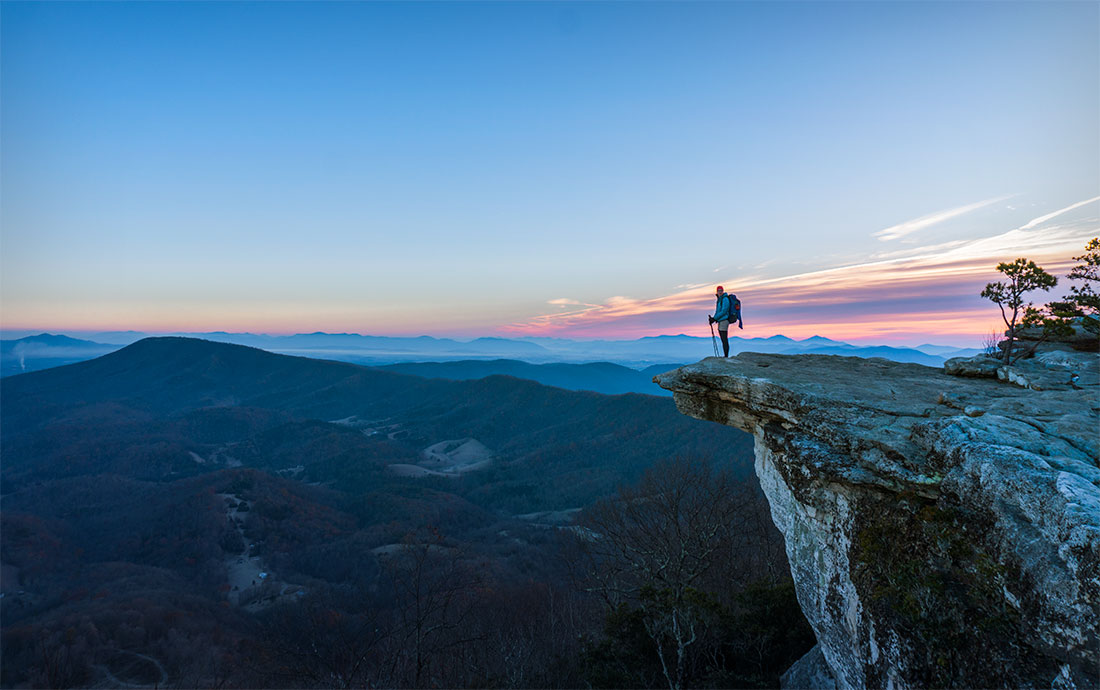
column 170, row 377
column 39, row 351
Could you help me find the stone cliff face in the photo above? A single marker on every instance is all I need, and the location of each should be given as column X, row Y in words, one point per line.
column 942, row 531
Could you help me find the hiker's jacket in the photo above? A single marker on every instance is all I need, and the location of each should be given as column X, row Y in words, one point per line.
column 722, row 309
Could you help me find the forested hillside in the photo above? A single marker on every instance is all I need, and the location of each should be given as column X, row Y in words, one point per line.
column 599, row 377
column 189, row 513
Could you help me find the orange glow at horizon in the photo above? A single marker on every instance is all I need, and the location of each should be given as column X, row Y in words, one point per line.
column 926, row 293
column 922, row 293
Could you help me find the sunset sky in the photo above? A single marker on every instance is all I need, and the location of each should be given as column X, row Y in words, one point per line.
column 571, row 169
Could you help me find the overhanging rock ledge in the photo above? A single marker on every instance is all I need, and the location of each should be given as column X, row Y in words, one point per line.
column 942, row 531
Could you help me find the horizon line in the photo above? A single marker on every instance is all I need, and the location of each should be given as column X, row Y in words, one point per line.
column 32, row 332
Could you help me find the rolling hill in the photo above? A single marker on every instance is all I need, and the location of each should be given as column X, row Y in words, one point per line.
column 146, row 400
column 45, row 350
column 599, row 377
column 182, row 509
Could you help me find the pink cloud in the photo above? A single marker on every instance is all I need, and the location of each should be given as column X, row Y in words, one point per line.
column 922, row 294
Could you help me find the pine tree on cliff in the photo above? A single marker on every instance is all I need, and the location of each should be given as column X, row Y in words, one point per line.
column 1023, row 276
column 1080, row 308
column 1087, row 271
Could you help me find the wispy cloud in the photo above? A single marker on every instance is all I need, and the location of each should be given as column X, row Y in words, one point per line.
column 1042, row 219
column 563, row 302
column 910, row 226
column 930, row 290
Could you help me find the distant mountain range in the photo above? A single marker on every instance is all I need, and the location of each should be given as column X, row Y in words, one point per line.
column 46, row 350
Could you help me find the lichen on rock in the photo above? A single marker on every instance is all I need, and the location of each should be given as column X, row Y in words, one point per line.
column 942, row 530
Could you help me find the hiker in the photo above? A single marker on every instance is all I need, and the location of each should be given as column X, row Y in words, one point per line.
column 728, row 308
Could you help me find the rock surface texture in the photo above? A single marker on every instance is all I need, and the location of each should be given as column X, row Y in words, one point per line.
column 942, row 530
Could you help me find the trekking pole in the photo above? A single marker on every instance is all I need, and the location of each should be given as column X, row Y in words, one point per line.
column 713, row 341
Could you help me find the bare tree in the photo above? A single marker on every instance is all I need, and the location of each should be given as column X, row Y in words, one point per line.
column 320, row 643
column 62, row 658
column 435, row 591
column 658, row 544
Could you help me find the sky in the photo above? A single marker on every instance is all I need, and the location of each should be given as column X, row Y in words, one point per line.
column 851, row 170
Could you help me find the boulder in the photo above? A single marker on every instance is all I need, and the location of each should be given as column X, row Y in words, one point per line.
column 811, row 672
column 1083, row 337
column 979, row 366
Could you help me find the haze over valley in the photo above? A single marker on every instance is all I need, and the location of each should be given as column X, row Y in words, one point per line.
column 38, row 351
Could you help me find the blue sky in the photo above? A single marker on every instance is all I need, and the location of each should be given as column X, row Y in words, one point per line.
column 473, row 168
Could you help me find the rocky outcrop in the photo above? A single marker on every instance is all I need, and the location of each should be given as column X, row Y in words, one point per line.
column 942, row 531
column 1081, row 335
column 1051, row 369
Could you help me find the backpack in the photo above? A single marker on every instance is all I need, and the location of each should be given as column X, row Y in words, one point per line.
column 734, row 313
column 735, row 307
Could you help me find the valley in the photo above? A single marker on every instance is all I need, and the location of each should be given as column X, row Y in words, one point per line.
column 187, row 500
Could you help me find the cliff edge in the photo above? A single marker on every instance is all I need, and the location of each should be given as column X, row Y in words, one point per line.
column 942, row 531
